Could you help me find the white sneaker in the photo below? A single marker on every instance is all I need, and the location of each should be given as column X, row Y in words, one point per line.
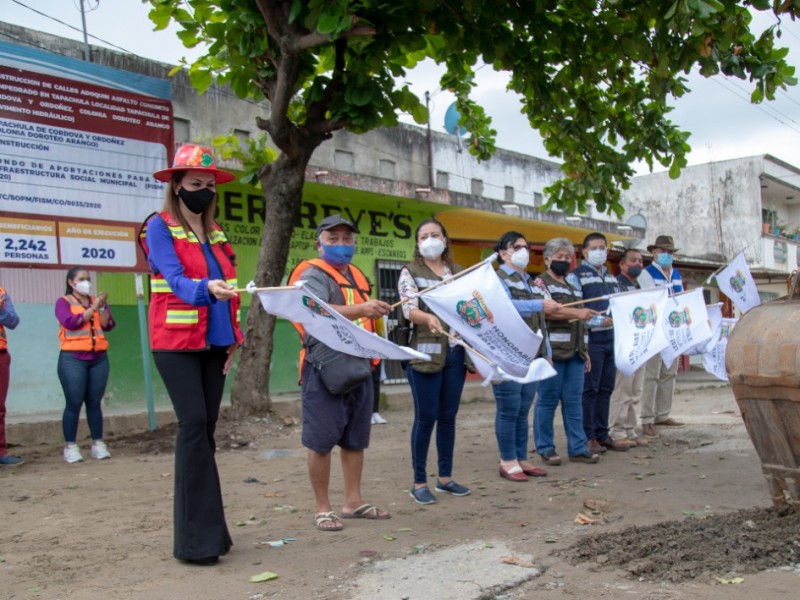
column 377, row 419
column 72, row 453
column 100, row 450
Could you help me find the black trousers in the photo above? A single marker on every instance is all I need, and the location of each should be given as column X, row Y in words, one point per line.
column 195, row 383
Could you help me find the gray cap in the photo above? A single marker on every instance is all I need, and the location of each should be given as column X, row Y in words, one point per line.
column 332, row 221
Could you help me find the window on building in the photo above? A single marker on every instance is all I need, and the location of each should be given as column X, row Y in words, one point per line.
column 442, row 180
column 388, row 272
column 508, row 194
column 538, row 199
column 343, row 160
column 386, row 168
column 477, row 187
column 182, row 130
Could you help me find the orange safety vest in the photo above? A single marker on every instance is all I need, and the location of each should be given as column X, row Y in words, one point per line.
column 353, row 294
column 173, row 324
column 3, row 339
column 89, row 337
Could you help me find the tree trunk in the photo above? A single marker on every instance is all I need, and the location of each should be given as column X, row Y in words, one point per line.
column 283, row 194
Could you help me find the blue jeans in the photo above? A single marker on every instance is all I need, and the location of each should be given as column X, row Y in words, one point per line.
column 514, row 402
column 566, row 386
column 83, row 382
column 597, row 389
column 436, row 400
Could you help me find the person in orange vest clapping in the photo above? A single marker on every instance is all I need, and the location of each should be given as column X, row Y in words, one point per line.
column 83, row 364
column 194, row 333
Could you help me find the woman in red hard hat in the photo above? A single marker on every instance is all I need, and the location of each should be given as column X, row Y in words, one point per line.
column 194, row 333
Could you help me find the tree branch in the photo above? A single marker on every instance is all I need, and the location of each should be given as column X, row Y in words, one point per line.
column 312, row 40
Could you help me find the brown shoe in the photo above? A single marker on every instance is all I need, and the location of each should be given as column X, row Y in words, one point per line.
column 649, row 430
column 670, row 423
column 616, row 446
column 595, row 447
column 515, row 473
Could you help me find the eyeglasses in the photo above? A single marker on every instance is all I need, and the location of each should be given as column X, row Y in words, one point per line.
column 519, row 247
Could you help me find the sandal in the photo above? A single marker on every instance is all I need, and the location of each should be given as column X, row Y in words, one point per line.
column 367, row 511
column 320, row 519
column 551, row 458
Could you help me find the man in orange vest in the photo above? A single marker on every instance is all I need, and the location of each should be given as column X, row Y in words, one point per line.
column 8, row 318
column 329, row 418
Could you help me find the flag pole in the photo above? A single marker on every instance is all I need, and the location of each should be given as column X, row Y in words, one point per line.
column 489, row 258
column 253, row 290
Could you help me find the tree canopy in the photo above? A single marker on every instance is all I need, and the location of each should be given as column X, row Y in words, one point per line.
column 594, row 78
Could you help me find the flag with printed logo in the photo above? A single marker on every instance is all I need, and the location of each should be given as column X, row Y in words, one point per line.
column 476, row 306
column 737, row 283
column 321, row 321
column 685, row 324
column 714, row 323
column 638, row 334
column 714, row 358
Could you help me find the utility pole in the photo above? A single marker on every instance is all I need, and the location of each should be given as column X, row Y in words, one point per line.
column 86, row 55
column 430, row 141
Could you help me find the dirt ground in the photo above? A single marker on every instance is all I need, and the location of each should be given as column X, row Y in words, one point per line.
column 662, row 522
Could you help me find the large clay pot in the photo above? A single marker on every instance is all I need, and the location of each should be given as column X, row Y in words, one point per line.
column 763, row 364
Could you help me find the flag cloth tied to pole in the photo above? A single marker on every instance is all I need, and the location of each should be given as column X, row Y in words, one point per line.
column 685, row 323
column 328, row 326
column 638, row 332
column 714, row 322
column 540, row 369
column 736, row 282
column 714, row 358
column 476, row 306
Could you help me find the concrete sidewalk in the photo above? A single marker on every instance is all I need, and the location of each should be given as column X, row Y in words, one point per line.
column 45, row 428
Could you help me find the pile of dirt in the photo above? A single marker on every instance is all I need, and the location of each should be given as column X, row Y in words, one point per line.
column 715, row 546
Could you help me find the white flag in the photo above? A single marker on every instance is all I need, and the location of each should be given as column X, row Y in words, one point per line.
column 331, row 328
column 477, row 307
column 638, row 334
column 736, row 282
column 540, row 369
column 685, row 324
column 714, row 323
column 714, row 358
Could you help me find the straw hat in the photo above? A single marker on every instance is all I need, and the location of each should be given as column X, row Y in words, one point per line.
column 193, row 157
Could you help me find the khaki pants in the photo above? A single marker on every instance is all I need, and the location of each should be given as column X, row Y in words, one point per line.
column 659, row 386
column 622, row 414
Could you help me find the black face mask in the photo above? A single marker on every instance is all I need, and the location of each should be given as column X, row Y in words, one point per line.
column 559, row 267
column 198, row 200
column 634, row 271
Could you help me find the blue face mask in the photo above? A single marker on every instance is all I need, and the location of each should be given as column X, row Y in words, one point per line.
column 664, row 260
column 336, row 255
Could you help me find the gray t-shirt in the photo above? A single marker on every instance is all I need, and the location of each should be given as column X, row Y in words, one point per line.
column 323, row 286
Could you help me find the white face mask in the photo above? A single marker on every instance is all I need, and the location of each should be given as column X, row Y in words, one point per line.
column 520, row 258
column 431, row 248
column 83, row 287
column 597, row 257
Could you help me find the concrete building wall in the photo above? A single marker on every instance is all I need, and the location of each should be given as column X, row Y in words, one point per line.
column 712, row 211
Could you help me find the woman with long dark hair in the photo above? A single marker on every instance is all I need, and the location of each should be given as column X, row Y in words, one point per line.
column 194, row 333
